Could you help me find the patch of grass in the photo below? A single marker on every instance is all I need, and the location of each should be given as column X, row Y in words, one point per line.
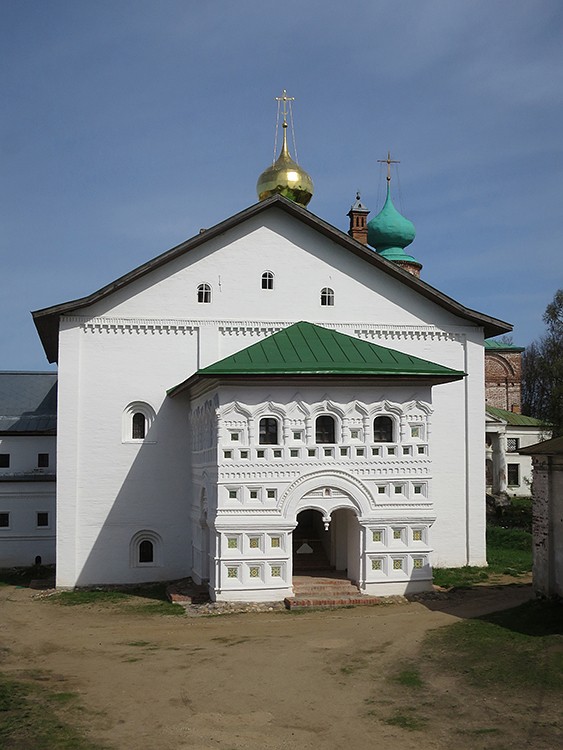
column 459, row 577
column 518, row 515
column 406, row 719
column 516, row 649
column 62, row 697
column 509, row 552
column 28, row 719
column 409, row 678
column 23, row 576
column 80, row 597
column 131, row 599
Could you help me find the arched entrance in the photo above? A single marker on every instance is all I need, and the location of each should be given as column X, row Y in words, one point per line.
column 320, row 551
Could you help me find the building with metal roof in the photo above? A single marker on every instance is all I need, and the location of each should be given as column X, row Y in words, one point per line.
column 271, row 392
column 28, row 418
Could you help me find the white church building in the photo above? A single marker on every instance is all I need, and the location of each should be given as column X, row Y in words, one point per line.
column 271, row 391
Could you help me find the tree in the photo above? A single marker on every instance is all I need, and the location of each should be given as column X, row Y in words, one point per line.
column 542, row 371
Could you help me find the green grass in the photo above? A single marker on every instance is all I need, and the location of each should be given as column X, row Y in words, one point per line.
column 406, row 719
column 77, row 598
column 518, row 515
column 23, row 576
column 509, row 549
column 29, row 719
column 409, row 678
column 512, row 650
column 131, row 600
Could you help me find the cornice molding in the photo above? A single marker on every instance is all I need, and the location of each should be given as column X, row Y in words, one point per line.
column 252, row 328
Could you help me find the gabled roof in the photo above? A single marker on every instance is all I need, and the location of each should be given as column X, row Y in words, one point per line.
column 553, row 447
column 512, row 418
column 47, row 319
column 305, row 349
column 28, row 403
column 499, row 346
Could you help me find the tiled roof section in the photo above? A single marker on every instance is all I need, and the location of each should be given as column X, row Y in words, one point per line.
column 28, row 403
column 498, row 346
column 513, row 419
column 307, row 349
column 553, row 447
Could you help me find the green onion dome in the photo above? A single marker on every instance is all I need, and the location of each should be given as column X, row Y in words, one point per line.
column 389, row 232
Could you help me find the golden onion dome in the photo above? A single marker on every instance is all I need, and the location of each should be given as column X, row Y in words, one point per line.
column 285, row 177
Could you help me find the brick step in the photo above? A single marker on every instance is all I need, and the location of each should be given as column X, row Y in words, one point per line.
column 324, row 591
column 298, row 602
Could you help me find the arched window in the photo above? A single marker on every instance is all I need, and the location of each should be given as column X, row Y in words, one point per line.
column 268, row 432
column 327, row 297
column 383, row 430
column 204, row 293
column 325, row 429
column 267, row 280
column 138, row 426
column 137, row 423
column 146, row 551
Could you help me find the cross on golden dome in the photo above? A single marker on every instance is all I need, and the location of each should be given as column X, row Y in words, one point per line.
column 285, row 99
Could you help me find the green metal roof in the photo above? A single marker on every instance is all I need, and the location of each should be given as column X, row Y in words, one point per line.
column 514, row 419
column 498, row 346
column 307, row 349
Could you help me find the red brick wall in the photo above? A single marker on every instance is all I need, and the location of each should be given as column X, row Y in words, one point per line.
column 503, row 378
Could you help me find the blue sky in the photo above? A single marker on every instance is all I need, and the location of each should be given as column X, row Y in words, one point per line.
column 129, row 124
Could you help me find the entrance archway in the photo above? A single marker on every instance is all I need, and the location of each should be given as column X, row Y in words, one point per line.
column 335, row 551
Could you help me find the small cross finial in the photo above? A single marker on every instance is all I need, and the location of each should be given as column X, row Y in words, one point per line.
column 388, row 161
column 285, row 99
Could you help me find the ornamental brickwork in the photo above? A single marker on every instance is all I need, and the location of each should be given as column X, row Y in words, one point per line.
column 503, row 379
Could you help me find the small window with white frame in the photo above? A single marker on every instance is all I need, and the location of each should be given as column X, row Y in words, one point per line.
column 204, row 294
column 267, row 280
column 145, row 549
column 138, row 418
column 327, row 297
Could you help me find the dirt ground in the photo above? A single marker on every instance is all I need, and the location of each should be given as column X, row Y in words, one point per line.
column 264, row 680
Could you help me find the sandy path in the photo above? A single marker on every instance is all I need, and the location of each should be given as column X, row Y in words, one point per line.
column 272, row 680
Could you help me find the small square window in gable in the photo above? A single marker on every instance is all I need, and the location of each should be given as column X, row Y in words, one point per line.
column 42, row 519
column 4, row 460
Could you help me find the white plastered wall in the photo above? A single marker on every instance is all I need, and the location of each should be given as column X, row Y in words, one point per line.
column 151, row 335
